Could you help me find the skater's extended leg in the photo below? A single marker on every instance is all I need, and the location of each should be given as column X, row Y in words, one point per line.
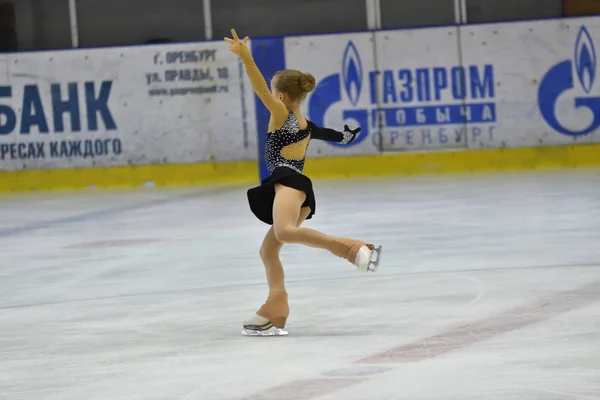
column 285, row 214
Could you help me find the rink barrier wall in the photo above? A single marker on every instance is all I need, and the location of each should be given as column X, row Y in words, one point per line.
column 486, row 97
column 414, row 163
column 492, row 86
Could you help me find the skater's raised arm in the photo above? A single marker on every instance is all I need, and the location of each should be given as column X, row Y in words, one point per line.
column 276, row 107
column 331, row 135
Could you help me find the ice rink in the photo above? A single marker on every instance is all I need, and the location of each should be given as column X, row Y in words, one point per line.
column 489, row 288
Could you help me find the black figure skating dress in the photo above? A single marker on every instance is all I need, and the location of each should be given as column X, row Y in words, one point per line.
column 286, row 170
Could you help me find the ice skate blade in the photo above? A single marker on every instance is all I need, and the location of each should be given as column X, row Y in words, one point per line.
column 267, row 332
column 374, row 261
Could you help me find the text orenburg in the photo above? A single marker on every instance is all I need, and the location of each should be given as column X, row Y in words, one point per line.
column 213, row 78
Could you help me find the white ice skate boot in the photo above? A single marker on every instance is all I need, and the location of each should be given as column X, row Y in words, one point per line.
column 271, row 318
column 367, row 259
column 261, row 326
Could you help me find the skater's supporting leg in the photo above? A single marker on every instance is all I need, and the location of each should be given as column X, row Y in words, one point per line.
column 285, row 214
column 275, row 310
column 269, row 253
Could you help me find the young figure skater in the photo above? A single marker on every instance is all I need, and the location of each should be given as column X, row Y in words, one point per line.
column 285, row 199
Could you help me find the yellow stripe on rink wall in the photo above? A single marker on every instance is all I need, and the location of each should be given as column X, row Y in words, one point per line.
column 129, row 176
column 457, row 161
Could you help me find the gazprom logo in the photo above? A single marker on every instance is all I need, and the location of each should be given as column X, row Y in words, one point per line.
column 585, row 58
column 409, row 106
column 329, row 92
column 352, row 73
column 560, row 81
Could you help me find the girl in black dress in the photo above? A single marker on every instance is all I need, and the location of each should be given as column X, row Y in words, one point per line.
column 285, row 199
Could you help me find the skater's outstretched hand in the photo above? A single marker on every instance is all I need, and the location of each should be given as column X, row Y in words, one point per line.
column 349, row 134
column 238, row 46
column 275, row 106
column 332, row 135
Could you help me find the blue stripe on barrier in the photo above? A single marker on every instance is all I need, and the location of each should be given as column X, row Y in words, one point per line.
column 269, row 55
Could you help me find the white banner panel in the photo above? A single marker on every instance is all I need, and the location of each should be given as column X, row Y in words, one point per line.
column 123, row 106
column 546, row 84
column 405, row 88
column 420, row 88
column 342, row 65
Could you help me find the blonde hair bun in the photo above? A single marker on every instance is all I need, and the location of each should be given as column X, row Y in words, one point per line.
column 306, row 83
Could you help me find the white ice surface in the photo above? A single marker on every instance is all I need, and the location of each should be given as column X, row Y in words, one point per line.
column 139, row 295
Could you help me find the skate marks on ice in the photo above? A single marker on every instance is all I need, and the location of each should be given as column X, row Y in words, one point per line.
column 162, row 199
column 309, row 280
column 442, row 343
column 304, row 389
column 487, row 328
column 106, row 244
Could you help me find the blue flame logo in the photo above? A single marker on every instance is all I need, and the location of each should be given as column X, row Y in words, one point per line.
column 585, row 59
column 352, row 72
column 561, row 79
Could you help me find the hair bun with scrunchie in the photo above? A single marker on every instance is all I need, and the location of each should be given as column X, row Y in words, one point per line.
column 306, row 83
